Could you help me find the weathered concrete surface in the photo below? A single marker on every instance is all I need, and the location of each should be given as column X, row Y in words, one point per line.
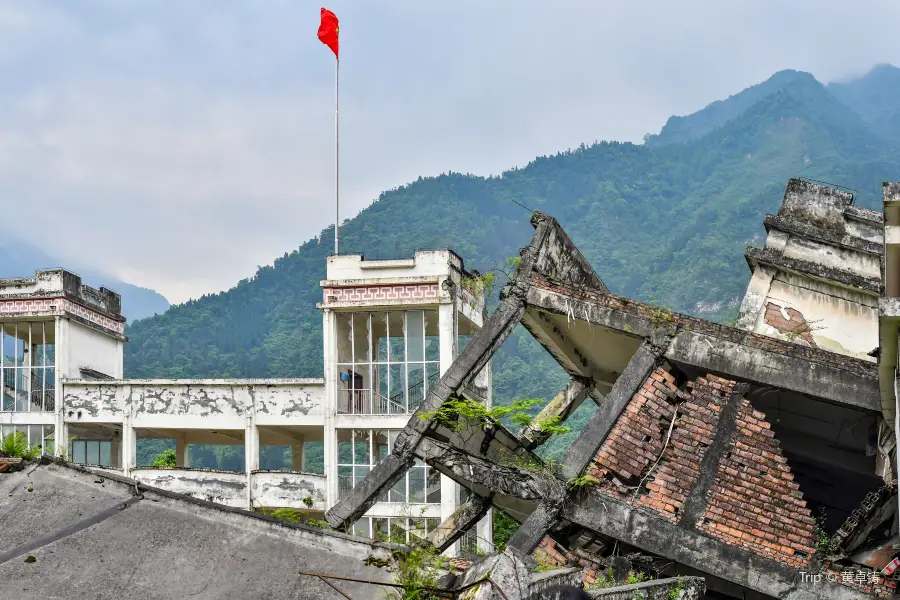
column 767, row 256
column 563, row 404
column 464, row 517
column 684, row 588
column 165, row 546
column 288, row 489
column 270, row 400
column 722, row 349
column 507, row 576
column 620, row 521
column 221, row 487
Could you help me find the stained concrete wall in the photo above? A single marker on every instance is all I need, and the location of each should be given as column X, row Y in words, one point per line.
column 840, row 320
column 288, row 489
column 198, row 403
column 88, row 348
column 220, row 487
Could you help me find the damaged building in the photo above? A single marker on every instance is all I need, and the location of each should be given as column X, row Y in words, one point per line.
column 714, row 449
column 748, row 461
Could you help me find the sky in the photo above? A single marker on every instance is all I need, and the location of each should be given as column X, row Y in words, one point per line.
column 179, row 145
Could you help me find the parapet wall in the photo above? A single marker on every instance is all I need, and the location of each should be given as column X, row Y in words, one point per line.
column 270, row 401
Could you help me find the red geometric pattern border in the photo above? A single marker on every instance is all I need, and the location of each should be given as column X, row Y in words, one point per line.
column 50, row 306
column 380, row 292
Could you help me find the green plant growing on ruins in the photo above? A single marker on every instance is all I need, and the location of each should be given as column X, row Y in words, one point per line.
column 636, row 577
column 166, row 458
column 417, row 566
column 604, row 580
column 308, row 501
column 826, row 545
column 675, row 591
column 15, row 445
column 483, row 285
column 504, row 528
column 582, row 481
column 544, row 563
column 458, row 414
column 802, row 329
column 294, row 516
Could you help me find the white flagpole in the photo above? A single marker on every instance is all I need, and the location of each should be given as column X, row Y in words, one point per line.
column 337, row 195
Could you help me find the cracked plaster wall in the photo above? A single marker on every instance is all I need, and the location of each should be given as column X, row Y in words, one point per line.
column 288, row 489
column 838, row 320
column 220, row 487
column 267, row 401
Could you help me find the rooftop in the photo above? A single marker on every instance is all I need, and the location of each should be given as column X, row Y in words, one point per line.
column 96, row 535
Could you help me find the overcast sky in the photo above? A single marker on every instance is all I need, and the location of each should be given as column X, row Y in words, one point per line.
column 179, row 144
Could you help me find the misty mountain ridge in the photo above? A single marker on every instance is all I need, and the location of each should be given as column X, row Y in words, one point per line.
column 21, row 259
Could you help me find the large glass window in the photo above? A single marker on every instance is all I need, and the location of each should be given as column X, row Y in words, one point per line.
column 40, row 436
column 387, row 361
column 91, row 452
column 359, row 450
column 27, row 366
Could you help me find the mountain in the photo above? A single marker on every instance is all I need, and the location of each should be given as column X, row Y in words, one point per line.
column 679, row 129
column 20, row 259
column 874, row 97
column 665, row 221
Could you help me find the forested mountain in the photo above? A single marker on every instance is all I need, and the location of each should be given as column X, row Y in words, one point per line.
column 667, row 220
column 19, row 258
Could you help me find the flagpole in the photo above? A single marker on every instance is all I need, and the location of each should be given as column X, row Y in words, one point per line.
column 337, row 182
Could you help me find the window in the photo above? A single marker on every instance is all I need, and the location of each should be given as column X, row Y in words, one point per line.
column 36, row 435
column 359, row 450
column 387, row 361
column 27, row 366
column 394, row 529
column 91, row 452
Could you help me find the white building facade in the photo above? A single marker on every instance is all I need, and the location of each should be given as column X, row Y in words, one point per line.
column 390, row 329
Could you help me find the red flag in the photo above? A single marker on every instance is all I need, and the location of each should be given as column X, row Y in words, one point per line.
column 328, row 30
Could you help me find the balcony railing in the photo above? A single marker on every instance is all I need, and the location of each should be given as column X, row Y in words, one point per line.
column 42, row 396
column 367, row 402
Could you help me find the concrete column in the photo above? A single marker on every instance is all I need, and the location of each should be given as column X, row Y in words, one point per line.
column 129, row 447
column 330, row 435
column 182, row 461
column 61, row 433
column 298, row 457
column 485, row 530
column 251, row 455
column 447, row 327
column 115, row 453
column 753, row 304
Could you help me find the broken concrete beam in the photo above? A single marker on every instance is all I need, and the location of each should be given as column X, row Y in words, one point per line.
column 616, row 519
column 558, row 258
column 721, row 349
column 564, row 404
column 532, row 483
column 506, row 576
column 682, row 588
column 463, row 518
column 639, row 367
column 535, row 527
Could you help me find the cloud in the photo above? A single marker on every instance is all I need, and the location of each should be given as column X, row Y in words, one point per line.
column 180, row 145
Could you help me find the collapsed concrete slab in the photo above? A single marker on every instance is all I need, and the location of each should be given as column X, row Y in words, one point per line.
column 710, row 442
